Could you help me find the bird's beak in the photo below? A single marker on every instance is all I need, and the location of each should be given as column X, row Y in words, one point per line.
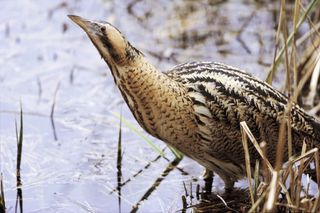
column 85, row 24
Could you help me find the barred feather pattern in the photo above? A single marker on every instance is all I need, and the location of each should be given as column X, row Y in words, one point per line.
column 222, row 97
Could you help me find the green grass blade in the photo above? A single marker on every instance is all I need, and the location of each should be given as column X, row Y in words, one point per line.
column 135, row 130
column 176, row 152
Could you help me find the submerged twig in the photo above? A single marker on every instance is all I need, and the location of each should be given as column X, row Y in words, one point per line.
column 240, row 31
column 52, row 112
column 39, row 88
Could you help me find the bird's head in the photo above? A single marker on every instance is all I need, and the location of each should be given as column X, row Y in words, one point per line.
column 111, row 44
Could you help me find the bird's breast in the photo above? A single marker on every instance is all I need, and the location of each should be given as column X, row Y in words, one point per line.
column 162, row 107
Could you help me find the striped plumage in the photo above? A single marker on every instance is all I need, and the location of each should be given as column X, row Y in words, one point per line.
column 197, row 107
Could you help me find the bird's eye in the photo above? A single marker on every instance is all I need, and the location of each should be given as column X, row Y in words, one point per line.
column 103, row 29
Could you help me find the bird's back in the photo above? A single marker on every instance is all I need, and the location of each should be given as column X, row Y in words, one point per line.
column 223, row 96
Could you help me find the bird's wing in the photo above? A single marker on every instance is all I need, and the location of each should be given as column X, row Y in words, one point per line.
column 231, row 95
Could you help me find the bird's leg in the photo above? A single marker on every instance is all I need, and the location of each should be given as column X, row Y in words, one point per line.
column 229, row 186
column 228, row 183
column 208, row 179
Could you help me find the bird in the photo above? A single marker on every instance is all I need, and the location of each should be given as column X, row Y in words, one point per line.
column 196, row 107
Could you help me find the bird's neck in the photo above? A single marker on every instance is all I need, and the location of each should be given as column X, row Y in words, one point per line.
column 139, row 82
column 154, row 98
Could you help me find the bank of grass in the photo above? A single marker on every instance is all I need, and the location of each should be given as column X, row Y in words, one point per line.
column 281, row 188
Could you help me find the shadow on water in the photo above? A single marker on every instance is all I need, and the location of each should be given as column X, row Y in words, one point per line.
column 136, row 174
column 171, row 166
column 144, row 169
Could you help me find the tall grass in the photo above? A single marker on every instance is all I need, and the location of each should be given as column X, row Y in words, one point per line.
column 19, row 197
column 295, row 198
column 288, row 39
column 281, row 187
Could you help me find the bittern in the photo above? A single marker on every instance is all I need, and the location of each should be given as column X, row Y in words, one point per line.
column 197, row 107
